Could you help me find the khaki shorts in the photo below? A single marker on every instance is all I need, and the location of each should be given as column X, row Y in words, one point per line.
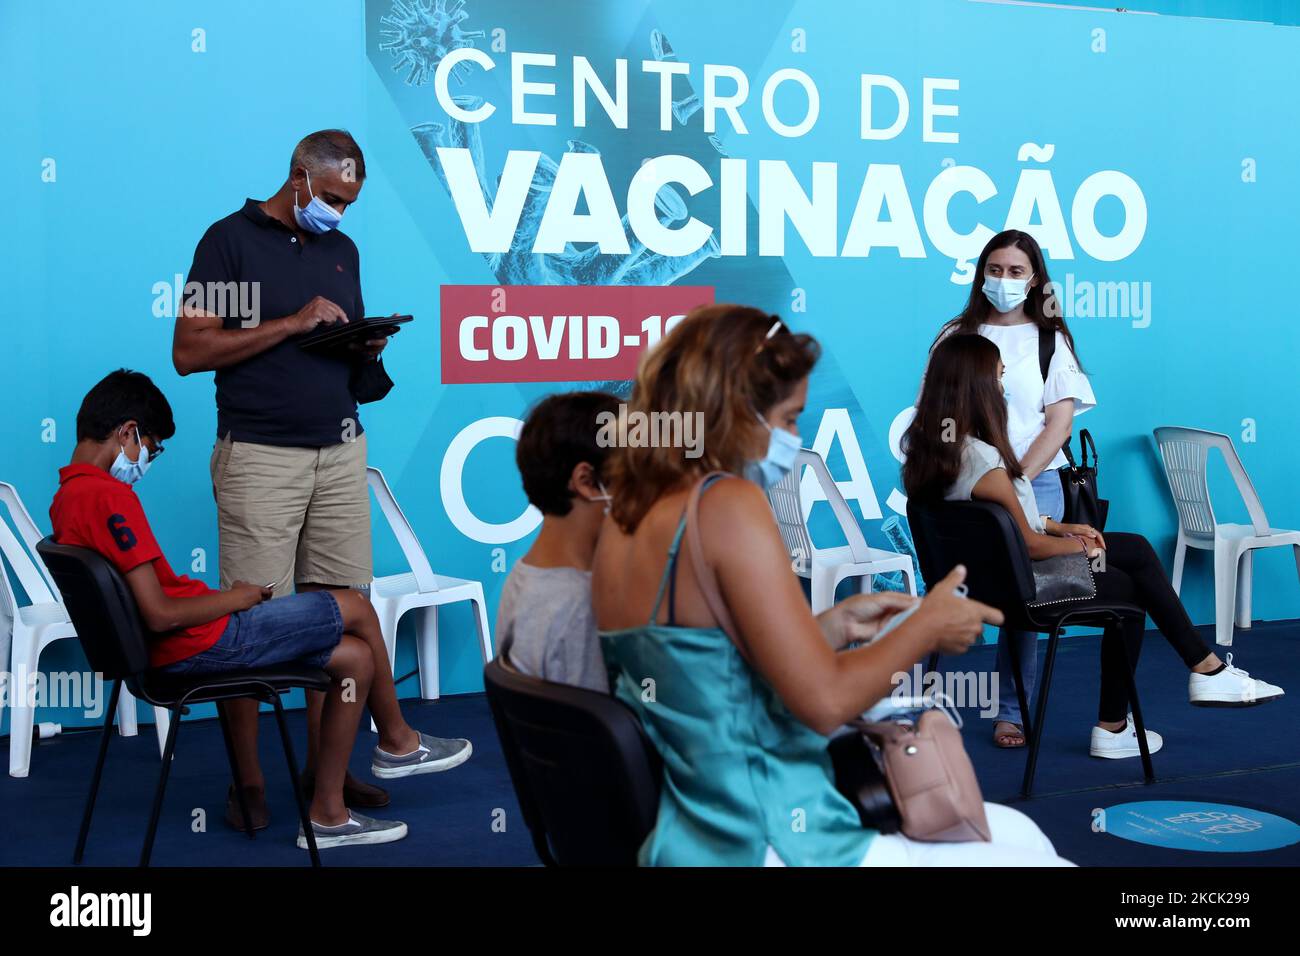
column 292, row 515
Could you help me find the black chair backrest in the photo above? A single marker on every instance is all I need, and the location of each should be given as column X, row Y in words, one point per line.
column 984, row 537
column 101, row 606
column 586, row 776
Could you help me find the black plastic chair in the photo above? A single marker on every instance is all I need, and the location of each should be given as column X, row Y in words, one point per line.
column 586, row 776
column 985, row 538
column 104, row 612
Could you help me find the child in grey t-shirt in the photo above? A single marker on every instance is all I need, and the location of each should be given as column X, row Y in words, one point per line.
column 545, row 623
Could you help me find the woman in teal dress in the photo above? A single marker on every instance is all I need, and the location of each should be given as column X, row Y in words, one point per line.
column 708, row 636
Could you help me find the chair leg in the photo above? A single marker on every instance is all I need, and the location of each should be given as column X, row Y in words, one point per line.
column 1130, row 677
column 234, row 773
column 1018, row 676
column 1244, row 576
column 97, row 773
column 909, row 576
column 1040, row 713
column 162, row 723
column 292, row 763
column 23, row 662
column 822, row 589
column 481, row 621
column 168, row 750
column 426, row 652
column 128, row 721
column 1180, row 560
column 1225, row 591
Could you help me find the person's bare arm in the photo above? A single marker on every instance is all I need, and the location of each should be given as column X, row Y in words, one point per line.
column 161, row 613
column 1055, row 433
column 821, row 687
column 201, row 344
column 996, row 486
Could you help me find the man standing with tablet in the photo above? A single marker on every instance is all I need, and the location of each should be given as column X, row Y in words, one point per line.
column 289, row 464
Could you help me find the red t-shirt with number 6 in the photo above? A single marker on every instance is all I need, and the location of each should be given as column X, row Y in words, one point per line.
column 92, row 509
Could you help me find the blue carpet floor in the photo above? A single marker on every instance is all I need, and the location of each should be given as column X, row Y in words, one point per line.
column 1248, row 757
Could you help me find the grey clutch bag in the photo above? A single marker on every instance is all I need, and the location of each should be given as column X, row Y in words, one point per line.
column 1062, row 578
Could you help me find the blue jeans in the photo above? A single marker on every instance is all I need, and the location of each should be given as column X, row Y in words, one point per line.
column 304, row 628
column 1024, row 644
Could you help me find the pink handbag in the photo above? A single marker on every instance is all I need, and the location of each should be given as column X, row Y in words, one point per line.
column 931, row 778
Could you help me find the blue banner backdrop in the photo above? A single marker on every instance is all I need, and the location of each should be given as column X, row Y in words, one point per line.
column 1153, row 156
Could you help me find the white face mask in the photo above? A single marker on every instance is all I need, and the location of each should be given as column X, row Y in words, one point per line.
column 604, row 496
column 1006, row 294
column 124, row 469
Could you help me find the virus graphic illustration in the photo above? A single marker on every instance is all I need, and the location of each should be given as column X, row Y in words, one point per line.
column 421, row 33
column 900, row 538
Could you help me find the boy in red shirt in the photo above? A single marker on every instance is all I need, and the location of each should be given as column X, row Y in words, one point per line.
column 121, row 426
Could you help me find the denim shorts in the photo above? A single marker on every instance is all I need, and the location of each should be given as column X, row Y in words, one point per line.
column 1049, row 494
column 303, row 628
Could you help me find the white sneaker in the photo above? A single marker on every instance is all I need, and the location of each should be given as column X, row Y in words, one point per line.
column 1231, row 687
column 1122, row 743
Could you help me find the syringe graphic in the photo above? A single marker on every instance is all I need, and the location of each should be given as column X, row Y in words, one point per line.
column 901, row 540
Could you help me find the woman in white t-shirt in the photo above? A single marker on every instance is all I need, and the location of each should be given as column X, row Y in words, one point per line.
column 958, row 448
column 1011, row 305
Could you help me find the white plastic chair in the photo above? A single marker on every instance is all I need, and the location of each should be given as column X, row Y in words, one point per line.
column 34, row 627
column 395, row 594
column 1184, row 452
column 827, row 567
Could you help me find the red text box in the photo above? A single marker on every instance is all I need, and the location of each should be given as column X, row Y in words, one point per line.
column 556, row 333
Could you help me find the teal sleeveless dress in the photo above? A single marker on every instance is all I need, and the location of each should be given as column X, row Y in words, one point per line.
column 740, row 772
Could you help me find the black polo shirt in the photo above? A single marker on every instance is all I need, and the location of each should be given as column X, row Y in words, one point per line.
column 283, row 396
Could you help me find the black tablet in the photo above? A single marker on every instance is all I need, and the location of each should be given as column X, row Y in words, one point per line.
column 345, row 333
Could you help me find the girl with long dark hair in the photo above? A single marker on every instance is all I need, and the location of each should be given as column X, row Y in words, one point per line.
column 958, row 448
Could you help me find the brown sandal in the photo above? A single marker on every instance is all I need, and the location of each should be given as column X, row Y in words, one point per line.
column 1009, row 739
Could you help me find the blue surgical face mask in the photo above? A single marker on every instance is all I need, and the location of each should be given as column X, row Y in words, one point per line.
column 319, row 216
column 124, row 469
column 1006, row 294
column 782, row 447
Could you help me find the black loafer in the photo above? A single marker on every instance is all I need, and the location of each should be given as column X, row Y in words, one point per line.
column 357, row 795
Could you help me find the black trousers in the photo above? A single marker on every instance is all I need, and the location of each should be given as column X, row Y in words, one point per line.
column 1133, row 575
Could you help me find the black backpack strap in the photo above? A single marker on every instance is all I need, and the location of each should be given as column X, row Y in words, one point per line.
column 1046, row 349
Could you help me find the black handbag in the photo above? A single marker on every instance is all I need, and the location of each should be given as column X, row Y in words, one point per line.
column 860, row 779
column 1079, row 483
column 1063, row 578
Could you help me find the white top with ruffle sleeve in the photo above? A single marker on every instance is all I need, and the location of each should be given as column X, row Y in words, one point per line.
column 1027, row 393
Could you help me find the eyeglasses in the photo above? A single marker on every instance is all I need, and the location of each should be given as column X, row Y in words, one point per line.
column 158, row 448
